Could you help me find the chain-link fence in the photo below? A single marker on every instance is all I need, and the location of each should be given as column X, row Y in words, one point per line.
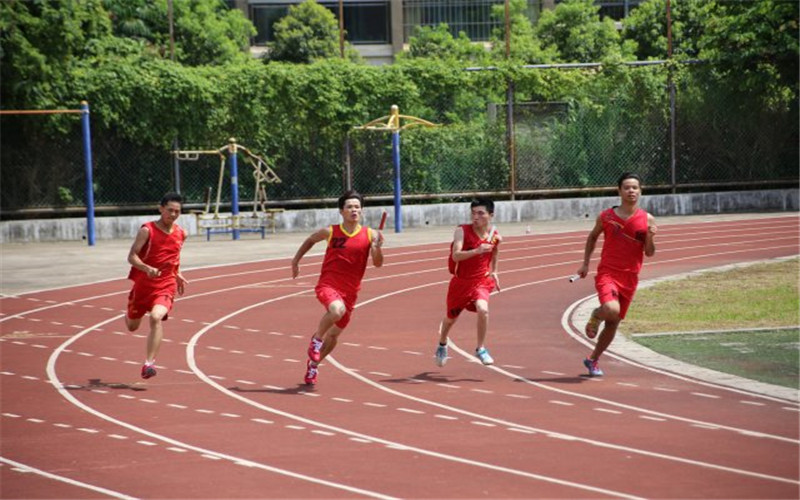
column 568, row 146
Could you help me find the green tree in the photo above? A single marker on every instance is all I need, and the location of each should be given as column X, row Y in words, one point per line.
column 525, row 48
column 576, row 32
column 754, row 46
column 206, row 31
column 308, row 33
column 439, row 43
column 39, row 43
column 647, row 26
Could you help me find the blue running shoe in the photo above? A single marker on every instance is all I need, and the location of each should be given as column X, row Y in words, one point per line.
column 441, row 355
column 591, row 365
column 483, row 355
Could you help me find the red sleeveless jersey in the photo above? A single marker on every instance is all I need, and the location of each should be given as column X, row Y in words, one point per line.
column 162, row 251
column 346, row 258
column 474, row 267
column 623, row 244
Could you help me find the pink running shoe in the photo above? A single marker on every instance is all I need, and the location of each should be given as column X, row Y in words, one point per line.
column 314, row 348
column 148, row 371
column 591, row 365
column 311, row 373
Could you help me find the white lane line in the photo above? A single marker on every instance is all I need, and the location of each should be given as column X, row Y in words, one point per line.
column 445, row 417
column 343, row 400
column 562, row 403
column 200, row 374
column 655, row 419
column 117, row 436
column 606, row 410
column 375, row 405
column 704, row 395
column 179, row 407
column 754, row 403
column 409, row 410
column 483, row 424
column 449, row 386
column 62, row 479
column 58, row 385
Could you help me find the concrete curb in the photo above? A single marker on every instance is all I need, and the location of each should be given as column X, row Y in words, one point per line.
column 630, row 351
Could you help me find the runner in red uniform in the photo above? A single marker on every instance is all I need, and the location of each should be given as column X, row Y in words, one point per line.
column 629, row 234
column 155, row 271
column 349, row 247
column 473, row 263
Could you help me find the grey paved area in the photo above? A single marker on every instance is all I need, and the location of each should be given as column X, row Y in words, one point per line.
column 27, row 267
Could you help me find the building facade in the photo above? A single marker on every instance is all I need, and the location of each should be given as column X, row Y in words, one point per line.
column 379, row 29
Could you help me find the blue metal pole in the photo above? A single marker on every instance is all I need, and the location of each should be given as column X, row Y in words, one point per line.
column 398, row 217
column 234, row 188
column 87, row 155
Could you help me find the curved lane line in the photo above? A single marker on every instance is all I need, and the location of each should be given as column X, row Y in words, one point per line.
column 62, row 479
column 54, row 380
column 193, row 366
column 190, row 348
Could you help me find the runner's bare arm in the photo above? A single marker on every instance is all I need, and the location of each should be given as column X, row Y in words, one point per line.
column 649, row 242
column 375, row 248
column 133, row 256
column 316, row 237
column 591, row 242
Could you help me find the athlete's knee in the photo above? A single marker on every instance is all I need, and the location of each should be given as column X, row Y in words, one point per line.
column 132, row 324
column 482, row 308
column 610, row 311
column 158, row 313
column 337, row 311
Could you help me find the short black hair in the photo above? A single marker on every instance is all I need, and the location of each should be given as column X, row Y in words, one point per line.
column 172, row 196
column 482, row 202
column 350, row 195
column 628, row 175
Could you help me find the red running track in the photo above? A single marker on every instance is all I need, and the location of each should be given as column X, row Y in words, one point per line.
column 228, row 417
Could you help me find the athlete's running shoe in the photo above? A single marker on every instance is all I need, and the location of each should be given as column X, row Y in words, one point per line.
column 314, row 348
column 148, row 371
column 441, row 355
column 311, row 373
column 593, row 325
column 591, row 365
column 483, row 355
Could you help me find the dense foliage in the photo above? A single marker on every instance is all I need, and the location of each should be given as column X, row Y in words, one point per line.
column 298, row 106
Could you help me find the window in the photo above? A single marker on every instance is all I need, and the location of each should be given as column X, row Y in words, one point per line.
column 473, row 17
column 365, row 21
column 263, row 17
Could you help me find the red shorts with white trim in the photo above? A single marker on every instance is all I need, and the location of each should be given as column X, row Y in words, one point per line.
column 463, row 293
column 327, row 295
column 141, row 300
column 621, row 287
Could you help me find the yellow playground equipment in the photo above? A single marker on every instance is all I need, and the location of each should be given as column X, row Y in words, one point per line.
column 234, row 222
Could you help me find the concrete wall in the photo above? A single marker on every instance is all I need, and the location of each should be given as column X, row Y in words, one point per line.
column 448, row 214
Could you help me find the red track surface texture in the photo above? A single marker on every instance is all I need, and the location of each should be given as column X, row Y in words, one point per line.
column 227, row 416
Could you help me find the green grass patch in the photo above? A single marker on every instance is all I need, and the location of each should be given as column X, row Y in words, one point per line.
column 769, row 356
column 758, row 296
